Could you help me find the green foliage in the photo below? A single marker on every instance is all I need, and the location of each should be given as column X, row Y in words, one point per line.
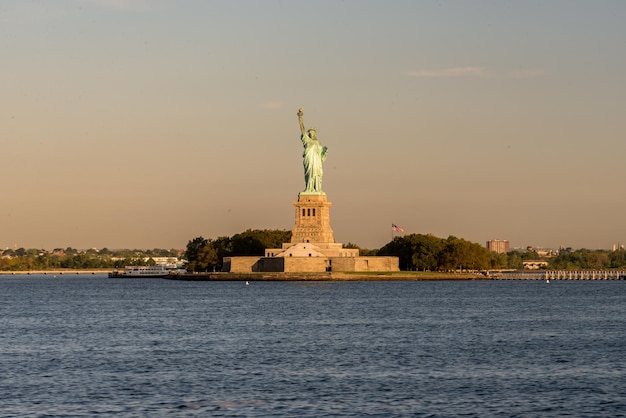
column 582, row 259
column 415, row 252
column 206, row 261
column 364, row 252
column 194, row 247
column 34, row 259
column 223, row 246
column 429, row 253
column 617, row 259
column 589, row 260
column 254, row 241
column 207, row 254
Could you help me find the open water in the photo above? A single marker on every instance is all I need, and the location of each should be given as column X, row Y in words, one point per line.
column 88, row 345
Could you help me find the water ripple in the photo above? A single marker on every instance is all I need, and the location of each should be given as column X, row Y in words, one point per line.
column 86, row 346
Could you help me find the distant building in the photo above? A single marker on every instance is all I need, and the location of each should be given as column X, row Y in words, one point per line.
column 163, row 261
column 534, row 264
column 498, row 245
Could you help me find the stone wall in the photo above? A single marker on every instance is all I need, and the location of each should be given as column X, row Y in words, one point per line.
column 239, row 264
column 309, row 264
column 305, row 264
column 365, row 264
column 269, row 264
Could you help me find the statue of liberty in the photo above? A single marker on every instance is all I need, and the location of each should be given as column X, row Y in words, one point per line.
column 312, row 158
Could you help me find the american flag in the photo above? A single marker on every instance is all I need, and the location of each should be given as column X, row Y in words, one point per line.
column 396, row 228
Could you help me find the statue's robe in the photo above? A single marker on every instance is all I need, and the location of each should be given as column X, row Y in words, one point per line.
column 312, row 158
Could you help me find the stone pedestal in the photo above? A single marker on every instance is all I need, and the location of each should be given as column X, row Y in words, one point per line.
column 312, row 247
column 312, row 220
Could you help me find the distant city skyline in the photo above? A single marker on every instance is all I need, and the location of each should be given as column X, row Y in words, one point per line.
column 136, row 124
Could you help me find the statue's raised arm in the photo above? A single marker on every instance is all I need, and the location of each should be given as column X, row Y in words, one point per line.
column 300, row 113
column 312, row 158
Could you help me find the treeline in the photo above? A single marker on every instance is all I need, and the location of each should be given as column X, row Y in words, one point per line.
column 415, row 252
column 205, row 254
column 429, row 253
column 589, row 260
column 22, row 259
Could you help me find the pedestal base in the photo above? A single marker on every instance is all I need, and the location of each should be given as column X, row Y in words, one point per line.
column 312, row 220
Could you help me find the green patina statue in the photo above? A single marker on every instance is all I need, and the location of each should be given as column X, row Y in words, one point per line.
column 312, row 158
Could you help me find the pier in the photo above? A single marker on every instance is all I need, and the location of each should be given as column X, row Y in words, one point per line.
column 561, row 275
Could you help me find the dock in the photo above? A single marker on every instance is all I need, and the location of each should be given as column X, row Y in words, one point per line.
column 561, row 275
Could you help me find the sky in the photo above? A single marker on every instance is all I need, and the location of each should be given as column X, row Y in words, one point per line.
column 147, row 123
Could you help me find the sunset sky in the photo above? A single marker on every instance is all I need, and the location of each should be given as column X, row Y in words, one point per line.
column 147, row 123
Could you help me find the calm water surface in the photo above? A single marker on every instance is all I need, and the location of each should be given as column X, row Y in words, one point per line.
column 89, row 345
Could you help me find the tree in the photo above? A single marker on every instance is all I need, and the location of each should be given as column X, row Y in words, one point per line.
column 427, row 252
column 454, row 253
column 207, row 259
column 193, row 248
column 9, row 252
column 399, row 247
column 254, row 241
column 415, row 251
column 617, row 259
column 223, row 246
column 248, row 243
column 364, row 252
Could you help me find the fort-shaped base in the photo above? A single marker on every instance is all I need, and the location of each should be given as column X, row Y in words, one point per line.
column 312, row 247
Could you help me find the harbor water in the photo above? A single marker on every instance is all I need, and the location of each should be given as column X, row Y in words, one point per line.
column 88, row 345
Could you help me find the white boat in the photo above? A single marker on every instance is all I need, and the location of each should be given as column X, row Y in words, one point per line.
column 142, row 271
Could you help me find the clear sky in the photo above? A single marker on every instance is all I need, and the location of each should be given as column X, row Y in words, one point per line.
column 144, row 124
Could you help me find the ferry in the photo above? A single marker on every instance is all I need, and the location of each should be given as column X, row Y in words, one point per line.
column 160, row 270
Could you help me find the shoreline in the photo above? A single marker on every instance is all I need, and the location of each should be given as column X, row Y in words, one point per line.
column 64, row 272
column 340, row 276
column 225, row 276
column 318, row 277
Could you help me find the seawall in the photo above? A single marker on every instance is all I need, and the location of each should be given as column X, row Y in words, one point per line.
column 335, row 276
column 61, row 272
